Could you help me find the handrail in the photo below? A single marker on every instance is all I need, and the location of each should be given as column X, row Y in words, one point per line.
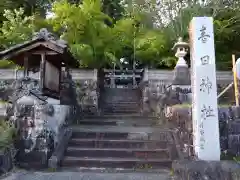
column 176, row 135
column 225, row 90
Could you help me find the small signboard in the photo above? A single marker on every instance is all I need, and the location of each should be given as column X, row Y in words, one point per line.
column 51, row 80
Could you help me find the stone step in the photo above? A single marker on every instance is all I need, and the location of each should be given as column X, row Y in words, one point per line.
column 121, row 98
column 135, row 116
column 129, row 129
column 121, row 106
column 116, row 170
column 129, row 94
column 118, row 132
column 111, row 162
column 120, row 110
column 91, row 174
column 102, row 143
column 121, row 92
column 116, row 91
column 122, row 103
column 118, row 122
column 119, row 147
column 117, row 153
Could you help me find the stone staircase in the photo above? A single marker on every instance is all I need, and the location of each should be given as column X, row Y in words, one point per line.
column 121, row 141
column 120, row 100
column 120, row 137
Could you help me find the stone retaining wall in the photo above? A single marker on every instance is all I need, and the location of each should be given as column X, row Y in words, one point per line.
column 163, row 75
column 87, row 90
column 155, row 83
column 229, row 127
column 6, row 160
column 206, row 170
column 85, row 81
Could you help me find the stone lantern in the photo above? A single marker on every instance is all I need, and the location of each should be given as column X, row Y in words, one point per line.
column 181, row 78
column 181, row 49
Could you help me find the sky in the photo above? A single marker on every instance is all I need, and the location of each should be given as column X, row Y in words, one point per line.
column 49, row 15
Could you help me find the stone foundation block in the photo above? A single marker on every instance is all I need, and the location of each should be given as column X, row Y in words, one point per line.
column 58, row 153
column 206, row 170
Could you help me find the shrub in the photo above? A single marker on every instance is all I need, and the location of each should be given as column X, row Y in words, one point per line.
column 7, row 133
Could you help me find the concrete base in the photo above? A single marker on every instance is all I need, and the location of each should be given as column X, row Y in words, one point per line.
column 58, row 154
column 6, row 161
column 206, row 170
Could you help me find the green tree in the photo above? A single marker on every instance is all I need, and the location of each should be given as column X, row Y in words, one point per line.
column 16, row 29
column 150, row 48
column 178, row 14
column 97, row 45
column 139, row 43
column 145, row 10
column 114, row 9
column 83, row 26
column 30, row 7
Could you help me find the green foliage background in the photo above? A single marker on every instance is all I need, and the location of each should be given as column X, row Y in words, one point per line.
column 101, row 32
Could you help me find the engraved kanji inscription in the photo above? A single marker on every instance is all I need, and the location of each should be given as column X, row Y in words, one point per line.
column 201, row 125
column 202, row 139
column 202, row 142
column 204, row 36
column 202, row 146
column 206, row 112
column 205, row 60
column 206, row 85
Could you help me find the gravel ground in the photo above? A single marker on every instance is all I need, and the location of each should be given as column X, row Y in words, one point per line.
column 84, row 176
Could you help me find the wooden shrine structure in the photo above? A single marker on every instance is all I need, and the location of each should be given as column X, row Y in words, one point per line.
column 46, row 55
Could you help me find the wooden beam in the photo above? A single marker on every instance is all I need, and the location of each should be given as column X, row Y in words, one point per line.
column 42, row 71
column 25, row 65
column 235, row 80
column 53, row 47
column 45, row 52
column 15, row 53
column 225, row 90
column 28, row 48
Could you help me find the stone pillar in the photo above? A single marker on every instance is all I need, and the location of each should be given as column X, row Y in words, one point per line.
column 181, row 79
column 145, row 76
column 204, row 104
column 145, row 89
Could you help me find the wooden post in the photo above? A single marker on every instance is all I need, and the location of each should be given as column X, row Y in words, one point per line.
column 42, row 64
column 235, row 80
column 25, row 65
